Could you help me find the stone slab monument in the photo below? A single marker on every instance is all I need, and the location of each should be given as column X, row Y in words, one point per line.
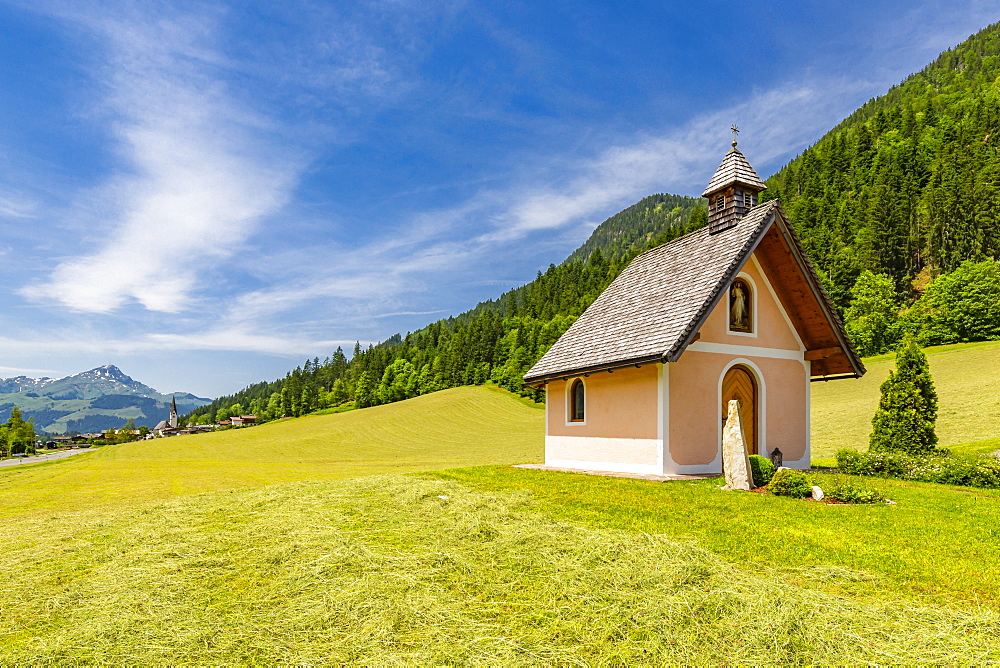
column 735, row 461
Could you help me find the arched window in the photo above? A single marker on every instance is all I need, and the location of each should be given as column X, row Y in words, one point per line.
column 576, row 401
column 741, row 307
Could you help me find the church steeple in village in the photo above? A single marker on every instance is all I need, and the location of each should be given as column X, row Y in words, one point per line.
column 173, row 413
column 732, row 191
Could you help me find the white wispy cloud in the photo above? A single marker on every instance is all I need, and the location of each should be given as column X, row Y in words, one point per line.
column 451, row 244
column 218, row 338
column 14, row 205
column 199, row 171
column 10, row 371
column 774, row 123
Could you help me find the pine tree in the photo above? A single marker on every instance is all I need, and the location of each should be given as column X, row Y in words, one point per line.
column 20, row 434
column 904, row 421
column 364, row 394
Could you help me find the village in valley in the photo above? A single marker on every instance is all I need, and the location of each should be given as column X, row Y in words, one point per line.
column 169, row 427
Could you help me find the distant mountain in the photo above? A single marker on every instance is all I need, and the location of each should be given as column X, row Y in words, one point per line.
column 102, row 398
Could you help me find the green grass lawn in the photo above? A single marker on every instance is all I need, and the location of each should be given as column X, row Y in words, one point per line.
column 459, row 427
column 989, row 446
column 967, row 379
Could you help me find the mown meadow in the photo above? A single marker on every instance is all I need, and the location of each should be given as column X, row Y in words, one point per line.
column 400, row 534
column 408, row 570
column 453, row 428
column 967, row 378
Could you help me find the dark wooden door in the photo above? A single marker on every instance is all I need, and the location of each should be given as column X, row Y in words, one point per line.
column 739, row 384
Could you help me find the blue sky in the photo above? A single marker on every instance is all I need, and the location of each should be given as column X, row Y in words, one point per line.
column 205, row 194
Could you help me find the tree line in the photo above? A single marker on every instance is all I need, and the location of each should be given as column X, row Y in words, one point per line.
column 501, row 339
column 958, row 307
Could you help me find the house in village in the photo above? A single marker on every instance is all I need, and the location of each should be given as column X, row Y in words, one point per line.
column 641, row 381
column 243, row 420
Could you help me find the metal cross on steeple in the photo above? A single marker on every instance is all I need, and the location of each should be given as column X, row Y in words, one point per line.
column 736, row 132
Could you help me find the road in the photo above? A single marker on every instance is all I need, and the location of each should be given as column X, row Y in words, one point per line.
column 34, row 459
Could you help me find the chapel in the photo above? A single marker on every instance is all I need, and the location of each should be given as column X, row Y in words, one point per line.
column 171, row 423
column 641, row 381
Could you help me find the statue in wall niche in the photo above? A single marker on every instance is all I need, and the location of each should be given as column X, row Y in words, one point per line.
column 739, row 309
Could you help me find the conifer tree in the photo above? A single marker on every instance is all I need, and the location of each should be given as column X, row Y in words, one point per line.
column 904, row 421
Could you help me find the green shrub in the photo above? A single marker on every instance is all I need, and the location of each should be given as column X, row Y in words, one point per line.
column 904, row 421
column 852, row 492
column 961, row 306
column 939, row 466
column 872, row 319
column 789, row 482
column 762, row 470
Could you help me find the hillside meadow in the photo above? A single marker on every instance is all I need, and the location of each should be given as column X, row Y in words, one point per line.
column 400, row 534
column 967, row 379
column 459, row 427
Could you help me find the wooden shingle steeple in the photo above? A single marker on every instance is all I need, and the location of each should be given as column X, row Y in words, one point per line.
column 732, row 191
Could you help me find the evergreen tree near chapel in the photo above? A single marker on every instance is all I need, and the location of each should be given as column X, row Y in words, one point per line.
column 904, row 421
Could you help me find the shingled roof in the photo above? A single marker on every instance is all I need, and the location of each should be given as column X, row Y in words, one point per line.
column 734, row 169
column 653, row 309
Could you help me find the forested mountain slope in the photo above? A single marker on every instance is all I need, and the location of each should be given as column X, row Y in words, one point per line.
column 908, row 186
column 496, row 341
column 630, row 230
column 910, row 182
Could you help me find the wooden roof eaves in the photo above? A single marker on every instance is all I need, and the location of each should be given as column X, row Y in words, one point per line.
column 739, row 260
column 805, row 266
column 584, row 371
column 728, row 184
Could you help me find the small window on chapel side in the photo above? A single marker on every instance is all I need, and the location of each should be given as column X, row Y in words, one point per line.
column 740, row 307
column 576, row 401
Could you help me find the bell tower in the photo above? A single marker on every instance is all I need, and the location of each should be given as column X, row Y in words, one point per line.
column 732, row 191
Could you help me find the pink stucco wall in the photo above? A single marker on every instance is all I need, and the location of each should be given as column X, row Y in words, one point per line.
column 695, row 382
column 771, row 330
column 695, row 424
column 622, row 404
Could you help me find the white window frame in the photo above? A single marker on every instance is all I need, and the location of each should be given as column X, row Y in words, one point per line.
column 570, row 422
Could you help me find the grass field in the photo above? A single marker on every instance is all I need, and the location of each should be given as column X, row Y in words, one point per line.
column 393, row 570
column 967, row 379
column 275, row 545
column 459, row 427
column 891, row 550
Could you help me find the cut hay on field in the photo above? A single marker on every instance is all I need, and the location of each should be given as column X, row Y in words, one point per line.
column 401, row 570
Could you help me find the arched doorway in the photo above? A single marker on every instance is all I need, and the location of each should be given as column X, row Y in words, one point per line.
column 739, row 384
